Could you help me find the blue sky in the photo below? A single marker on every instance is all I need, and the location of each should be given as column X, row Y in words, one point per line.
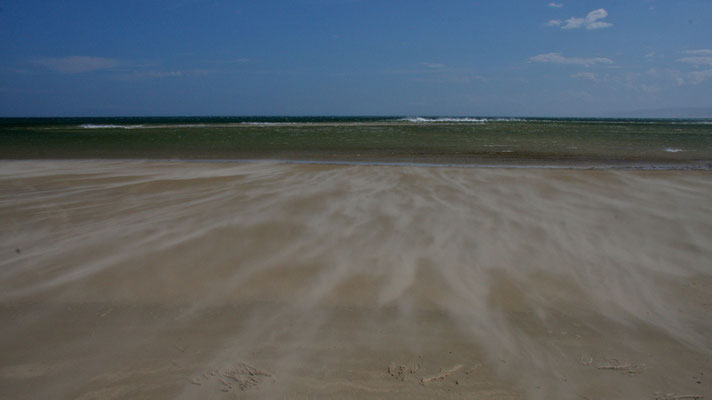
column 350, row 57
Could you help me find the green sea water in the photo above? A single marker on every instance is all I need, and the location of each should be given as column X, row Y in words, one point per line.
column 474, row 141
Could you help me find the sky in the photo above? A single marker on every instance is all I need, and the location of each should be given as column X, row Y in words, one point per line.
column 351, row 57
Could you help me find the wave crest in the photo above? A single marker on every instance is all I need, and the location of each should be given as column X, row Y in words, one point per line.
column 469, row 120
column 106, row 126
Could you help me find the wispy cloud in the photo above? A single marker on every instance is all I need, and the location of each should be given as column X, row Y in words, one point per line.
column 700, row 52
column 665, row 76
column 126, row 70
column 592, row 20
column 556, row 5
column 77, row 64
column 681, row 78
column 590, row 76
column 161, row 74
column 557, row 58
column 697, row 57
column 433, row 65
column 697, row 77
column 651, row 81
column 157, row 74
column 697, row 61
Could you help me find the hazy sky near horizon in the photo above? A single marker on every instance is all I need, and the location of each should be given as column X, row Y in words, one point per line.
column 351, row 57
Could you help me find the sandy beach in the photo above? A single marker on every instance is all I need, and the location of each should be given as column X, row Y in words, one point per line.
column 190, row 280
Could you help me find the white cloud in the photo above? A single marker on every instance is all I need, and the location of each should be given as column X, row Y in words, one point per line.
column 679, row 78
column 662, row 76
column 649, row 82
column 77, row 64
column 554, row 22
column 649, row 88
column 697, row 60
column 697, row 77
column 700, row 52
column 586, row 75
column 591, row 21
column 573, row 23
column 556, row 5
column 557, row 58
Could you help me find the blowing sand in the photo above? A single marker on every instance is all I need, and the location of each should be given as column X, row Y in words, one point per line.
column 264, row 280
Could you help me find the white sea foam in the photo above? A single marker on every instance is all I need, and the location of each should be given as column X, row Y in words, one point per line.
column 470, row 120
column 507, row 119
column 151, row 126
column 704, row 122
column 108, row 126
column 464, row 119
column 673, row 150
column 268, row 123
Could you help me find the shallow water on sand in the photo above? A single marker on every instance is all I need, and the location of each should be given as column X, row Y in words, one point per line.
column 202, row 280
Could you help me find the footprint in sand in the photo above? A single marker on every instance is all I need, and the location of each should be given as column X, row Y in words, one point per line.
column 239, row 377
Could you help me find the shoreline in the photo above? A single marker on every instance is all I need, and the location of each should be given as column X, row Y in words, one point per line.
column 565, row 143
column 703, row 165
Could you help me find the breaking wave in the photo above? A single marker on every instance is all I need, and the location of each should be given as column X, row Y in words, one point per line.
column 470, row 120
column 107, row 126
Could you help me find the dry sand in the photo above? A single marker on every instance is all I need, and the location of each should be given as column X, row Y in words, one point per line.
column 216, row 280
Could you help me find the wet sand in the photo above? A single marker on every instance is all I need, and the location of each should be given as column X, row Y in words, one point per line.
column 184, row 280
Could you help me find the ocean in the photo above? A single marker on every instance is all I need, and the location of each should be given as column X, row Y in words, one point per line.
column 482, row 141
column 393, row 258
